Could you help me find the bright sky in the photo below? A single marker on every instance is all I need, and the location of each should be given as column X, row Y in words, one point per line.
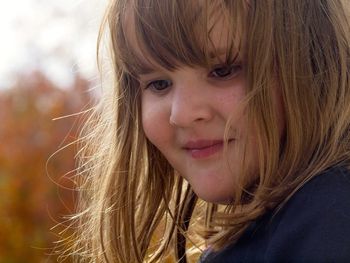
column 57, row 37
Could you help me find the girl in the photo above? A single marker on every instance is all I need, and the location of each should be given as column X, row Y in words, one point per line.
column 228, row 117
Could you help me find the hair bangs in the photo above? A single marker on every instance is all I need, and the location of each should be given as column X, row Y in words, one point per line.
column 167, row 34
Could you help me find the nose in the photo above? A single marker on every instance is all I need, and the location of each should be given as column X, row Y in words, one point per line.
column 191, row 104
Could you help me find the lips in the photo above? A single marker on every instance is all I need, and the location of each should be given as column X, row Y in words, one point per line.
column 204, row 148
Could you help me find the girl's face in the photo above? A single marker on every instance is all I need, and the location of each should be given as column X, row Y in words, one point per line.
column 184, row 114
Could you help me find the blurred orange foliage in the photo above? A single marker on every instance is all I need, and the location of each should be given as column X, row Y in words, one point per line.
column 36, row 194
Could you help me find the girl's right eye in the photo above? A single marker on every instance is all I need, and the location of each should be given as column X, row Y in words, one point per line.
column 159, row 85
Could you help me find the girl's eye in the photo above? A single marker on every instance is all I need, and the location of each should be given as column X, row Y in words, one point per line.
column 225, row 72
column 159, row 85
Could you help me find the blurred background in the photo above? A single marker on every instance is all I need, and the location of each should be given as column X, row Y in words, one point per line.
column 47, row 71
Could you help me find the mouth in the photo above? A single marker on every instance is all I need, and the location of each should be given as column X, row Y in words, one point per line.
column 201, row 149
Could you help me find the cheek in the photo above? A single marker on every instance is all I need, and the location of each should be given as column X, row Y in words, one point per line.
column 155, row 123
column 149, row 121
column 231, row 102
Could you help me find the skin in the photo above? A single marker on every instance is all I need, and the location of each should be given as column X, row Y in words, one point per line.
column 185, row 113
column 194, row 108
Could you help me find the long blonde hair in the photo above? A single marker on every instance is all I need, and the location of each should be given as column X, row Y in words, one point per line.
column 127, row 188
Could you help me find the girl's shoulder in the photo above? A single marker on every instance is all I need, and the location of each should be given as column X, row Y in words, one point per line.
column 315, row 223
column 313, row 226
column 330, row 190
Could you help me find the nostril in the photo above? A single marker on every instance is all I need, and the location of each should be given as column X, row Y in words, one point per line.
column 185, row 111
column 172, row 123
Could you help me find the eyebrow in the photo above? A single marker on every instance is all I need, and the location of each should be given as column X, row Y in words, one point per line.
column 230, row 57
column 145, row 68
column 217, row 52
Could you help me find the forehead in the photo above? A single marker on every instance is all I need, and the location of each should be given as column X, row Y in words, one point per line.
column 169, row 33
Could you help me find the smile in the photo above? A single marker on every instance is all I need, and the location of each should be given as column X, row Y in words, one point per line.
column 204, row 148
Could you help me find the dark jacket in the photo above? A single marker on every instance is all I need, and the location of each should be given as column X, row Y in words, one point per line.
column 313, row 226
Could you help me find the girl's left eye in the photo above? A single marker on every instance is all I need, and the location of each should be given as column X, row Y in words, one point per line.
column 225, row 72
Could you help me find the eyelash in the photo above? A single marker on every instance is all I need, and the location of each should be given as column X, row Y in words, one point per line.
column 233, row 70
column 151, row 85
